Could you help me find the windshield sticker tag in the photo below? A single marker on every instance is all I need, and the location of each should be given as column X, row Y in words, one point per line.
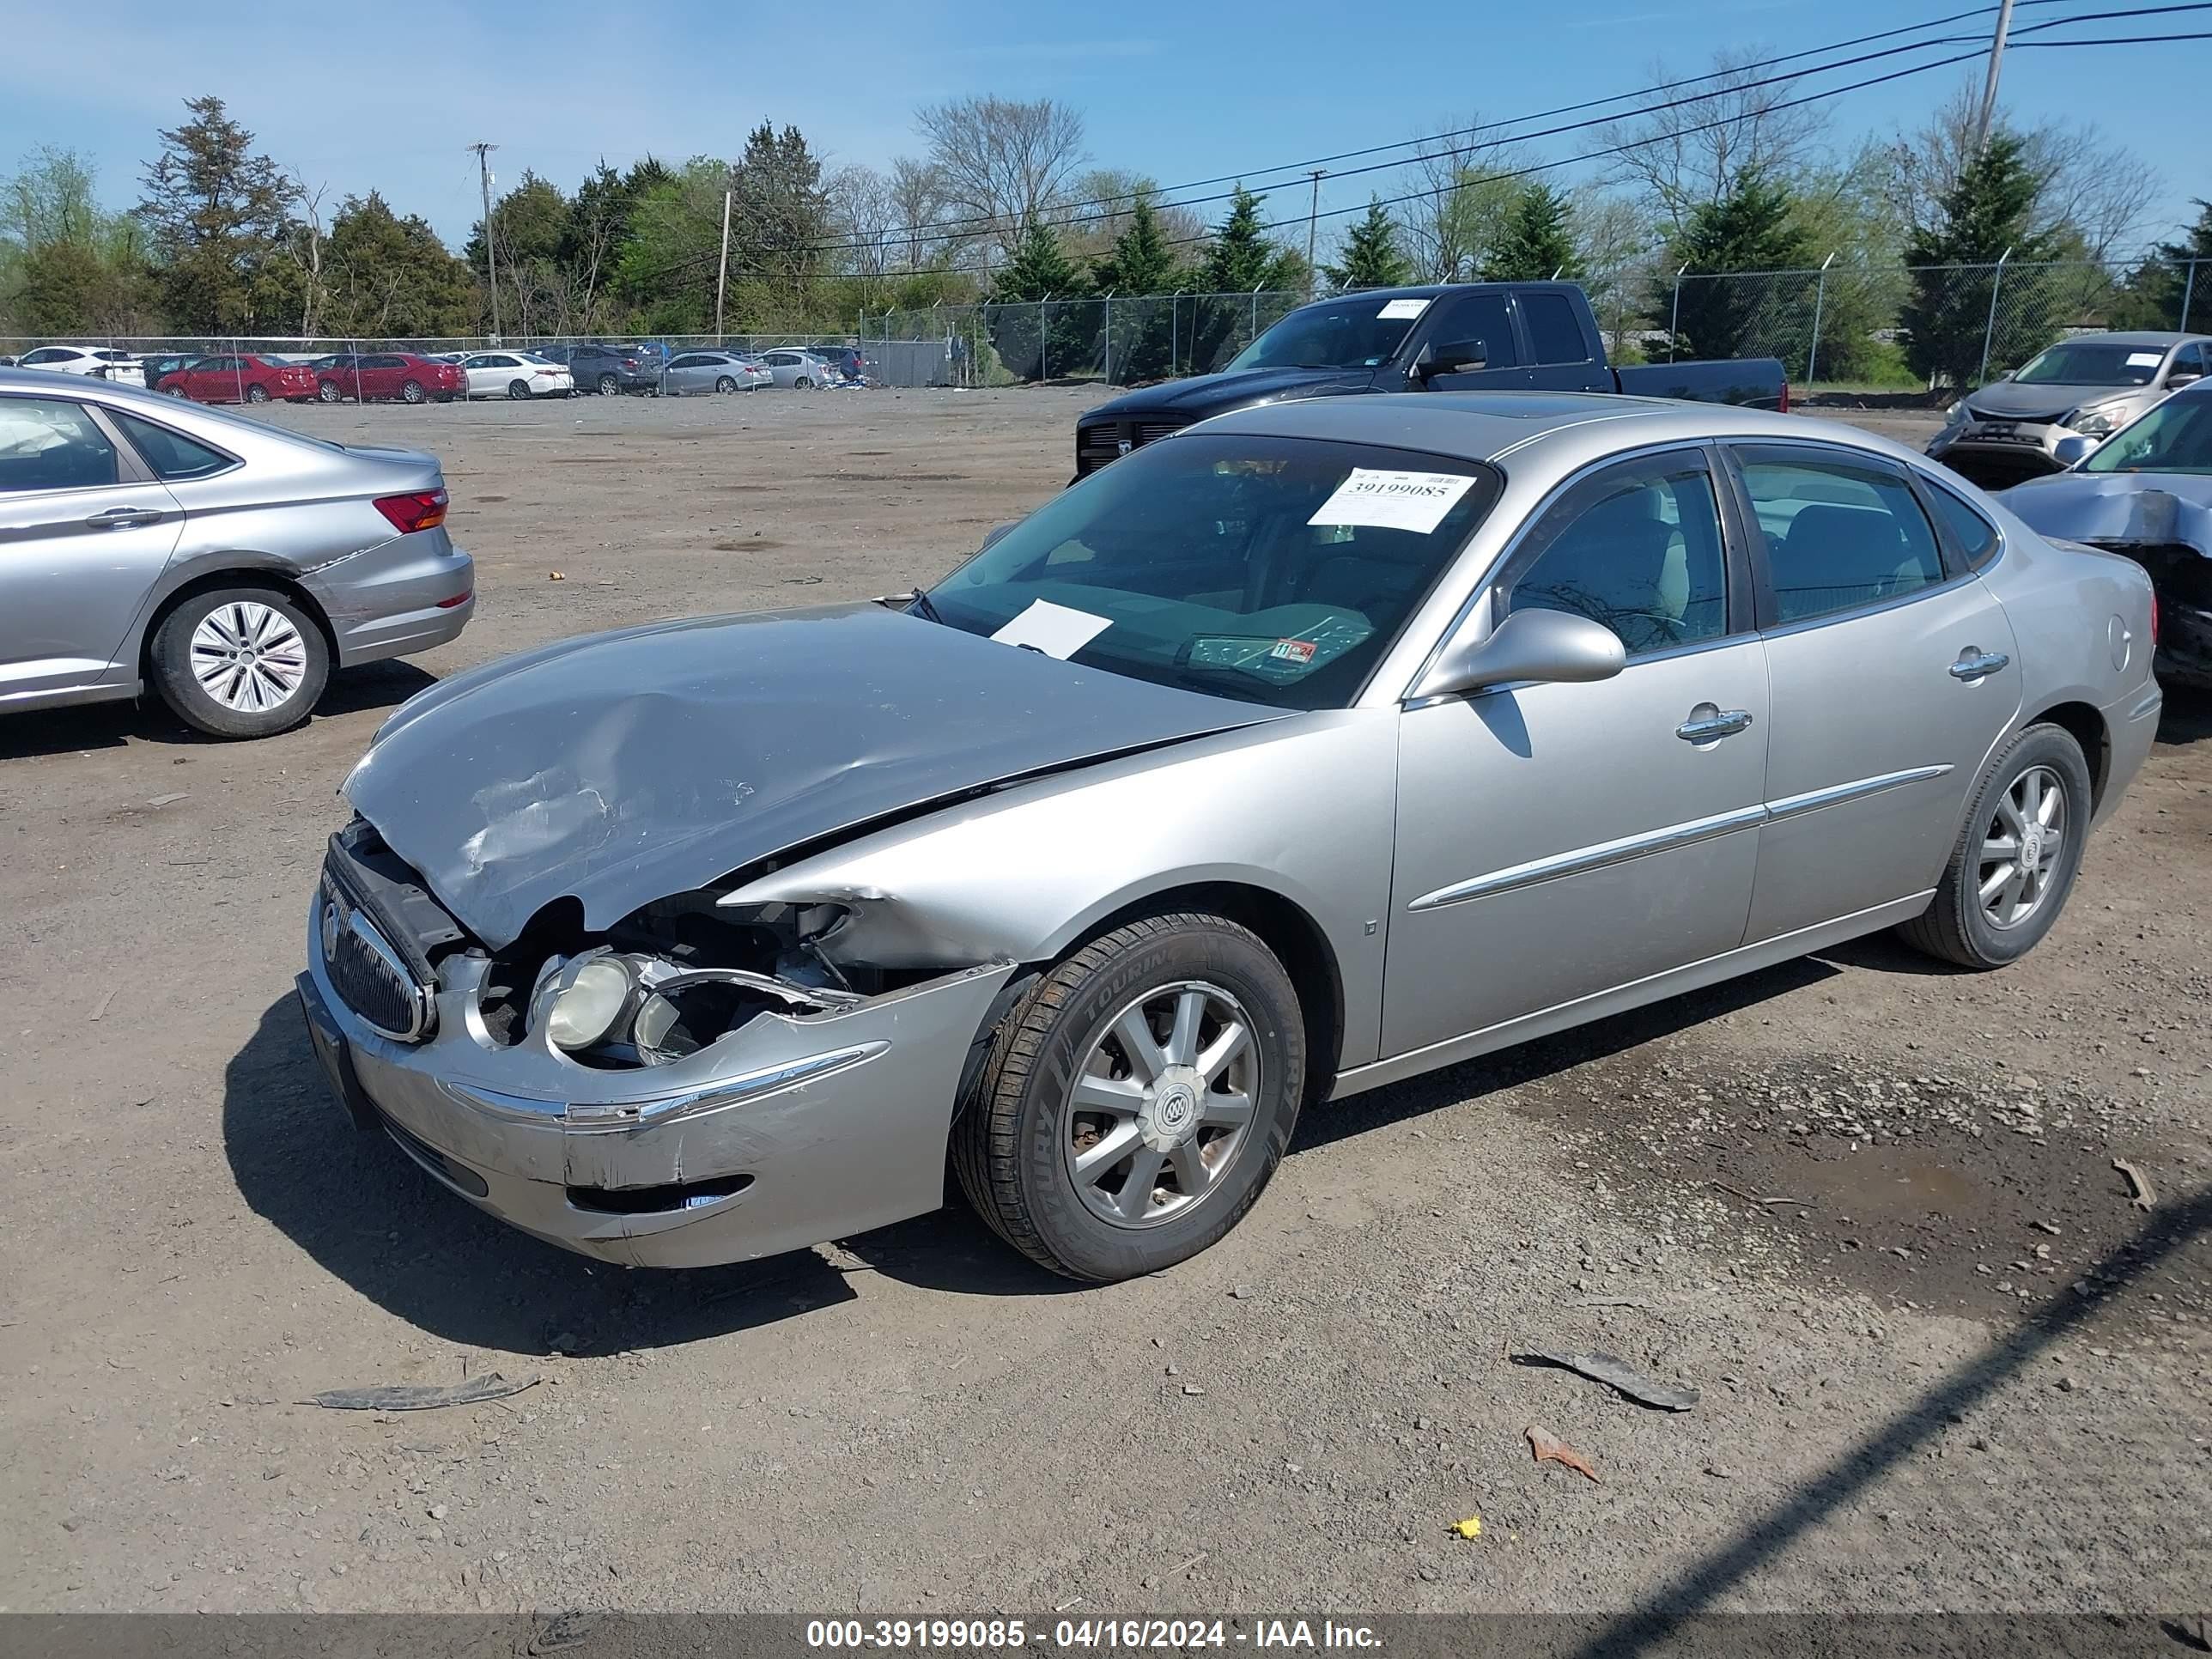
column 1294, row 650
column 1057, row 630
column 1394, row 501
column 2143, row 360
column 1395, row 310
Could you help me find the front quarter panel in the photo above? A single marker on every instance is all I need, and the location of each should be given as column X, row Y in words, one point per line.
column 1299, row 808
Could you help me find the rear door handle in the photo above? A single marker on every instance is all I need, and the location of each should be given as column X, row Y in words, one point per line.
column 117, row 518
column 1974, row 665
column 1709, row 723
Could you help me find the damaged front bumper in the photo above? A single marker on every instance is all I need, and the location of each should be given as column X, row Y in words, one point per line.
column 792, row 1130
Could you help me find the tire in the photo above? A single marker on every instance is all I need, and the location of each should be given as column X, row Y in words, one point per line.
column 518, row 391
column 1014, row 1145
column 1959, row 926
column 410, row 391
column 327, row 391
column 172, row 391
column 257, row 394
column 610, row 387
column 726, row 385
column 803, row 384
column 298, row 658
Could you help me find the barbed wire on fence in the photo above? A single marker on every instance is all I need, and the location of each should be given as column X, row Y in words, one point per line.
column 1869, row 327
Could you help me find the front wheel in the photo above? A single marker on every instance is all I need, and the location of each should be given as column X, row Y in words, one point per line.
column 412, row 392
column 172, row 391
column 257, row 394
column 242, row 662
column 1134, row 1103
column 2016, row 857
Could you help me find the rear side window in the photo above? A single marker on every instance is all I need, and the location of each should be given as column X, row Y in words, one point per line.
column 172, row 456
column 1839, row 532
column 1976, row 536
column 1555, row 333
column 50, row 445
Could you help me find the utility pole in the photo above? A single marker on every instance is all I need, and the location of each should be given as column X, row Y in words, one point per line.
column 491, row 259
column 722, row 272
column 1313, row 212
column 1989, row 86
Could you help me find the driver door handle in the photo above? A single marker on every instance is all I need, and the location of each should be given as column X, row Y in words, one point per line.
column 117, row 518
column 1975, row 664
column 1708, row 724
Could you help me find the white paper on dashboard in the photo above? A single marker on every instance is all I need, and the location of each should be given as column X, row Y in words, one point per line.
column 1394, row 501
column 1394, row 309
column 1057, row 630
column 2144, row 360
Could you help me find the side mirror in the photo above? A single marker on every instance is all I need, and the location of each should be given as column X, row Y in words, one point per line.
column 1460, row 357
column 997, row 530
column 2181, row 378
column 1529, row 645
column 2070, row 451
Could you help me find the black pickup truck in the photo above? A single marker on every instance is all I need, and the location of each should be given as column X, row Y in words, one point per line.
column 1464, row 336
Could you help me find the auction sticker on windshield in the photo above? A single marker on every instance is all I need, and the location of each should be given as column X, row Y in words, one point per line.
column 1394, row 310
column 1394, row 501
column 2143, row 360
column 1057, row 630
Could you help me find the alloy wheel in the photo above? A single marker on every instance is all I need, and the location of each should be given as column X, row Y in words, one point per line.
column 2023, row 848
column 248, row 657
column 1162, row 1104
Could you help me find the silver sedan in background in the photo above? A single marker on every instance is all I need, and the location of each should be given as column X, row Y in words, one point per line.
column 692, row 372
column 229, row 564
column 788, row 365
column 1315, row 746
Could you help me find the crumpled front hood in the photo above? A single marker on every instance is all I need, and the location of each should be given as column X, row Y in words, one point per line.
column 624, row 767
column 1198, row 396
column 2008, row 400
column 2161, row 509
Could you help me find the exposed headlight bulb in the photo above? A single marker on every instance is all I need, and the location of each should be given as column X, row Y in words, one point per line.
column 589, row 999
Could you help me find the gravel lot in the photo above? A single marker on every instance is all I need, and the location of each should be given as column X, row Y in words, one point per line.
column 1956, row 1370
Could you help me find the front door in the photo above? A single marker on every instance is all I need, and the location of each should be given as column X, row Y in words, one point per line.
column 1556, row 841
column 83, row 534
column 1474, row 326
column 1893, row 680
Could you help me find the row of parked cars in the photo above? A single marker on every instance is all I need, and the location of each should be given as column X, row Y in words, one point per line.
column 413, row 378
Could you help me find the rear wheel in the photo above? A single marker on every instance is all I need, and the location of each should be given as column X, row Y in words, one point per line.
column 726, row 385
column 257, row 394
column 240, row 662
column 2016, row 857
column 412, row 392
column 518, row 390
column 803, row 384
column 1135, row 1103
column 327, row 392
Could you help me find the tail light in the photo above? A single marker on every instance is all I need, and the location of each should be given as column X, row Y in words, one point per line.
column 2153, row 619
column 1785, row 405
column 423, row 510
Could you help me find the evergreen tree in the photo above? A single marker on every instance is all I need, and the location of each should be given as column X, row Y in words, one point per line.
column 1751, row 229
column 2154, row 294
column 1240, row 257
column 217, row 214
column 1039, row 269
column 1141, row 340
column 1536, row 242
column 1988, row 209
column 1371, row 255
column 392, row 277
column 1141, row 261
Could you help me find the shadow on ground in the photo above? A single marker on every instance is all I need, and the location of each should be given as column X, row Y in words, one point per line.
column 112, row 725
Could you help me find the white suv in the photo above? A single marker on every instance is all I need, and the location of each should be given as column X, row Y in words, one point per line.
column 102, row 363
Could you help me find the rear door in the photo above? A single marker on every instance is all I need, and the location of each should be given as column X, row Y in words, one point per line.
column 1473, row 326
column 1892, row 673
column 84, row 532
column 1563, row 355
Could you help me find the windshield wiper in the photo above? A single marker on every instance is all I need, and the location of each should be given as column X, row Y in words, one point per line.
column 917, row 604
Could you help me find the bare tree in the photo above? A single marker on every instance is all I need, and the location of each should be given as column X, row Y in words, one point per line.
column 305, row 247
column 1100, row 202
column 1681, row 159
column 1460, row 184
column 1002, row 162
column 864, row 217
column 917, row 196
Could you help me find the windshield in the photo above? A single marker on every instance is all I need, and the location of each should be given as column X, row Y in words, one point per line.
column 2175, row 437
column 1358, row 332
column 2084, row 362
column 1277, row 570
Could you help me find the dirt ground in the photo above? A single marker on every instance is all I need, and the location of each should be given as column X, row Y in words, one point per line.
column 1868, row 1208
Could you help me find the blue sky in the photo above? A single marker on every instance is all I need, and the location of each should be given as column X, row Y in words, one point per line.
column 389, row 95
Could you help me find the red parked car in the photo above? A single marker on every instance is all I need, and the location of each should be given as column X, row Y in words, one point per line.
column 367, row 376
column 241, row 381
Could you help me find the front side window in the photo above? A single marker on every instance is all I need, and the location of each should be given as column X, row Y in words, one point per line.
column 2175, row 437
column 1483, row 320
column 1638, row 548
column 1357, row 331
column 1839, row 532
column 1276, row 570
column 46, row 444
column 1555, row 332
column 172, row 456
column 45, row 355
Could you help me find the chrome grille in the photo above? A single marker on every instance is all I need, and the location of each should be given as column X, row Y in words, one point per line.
column 369, row 976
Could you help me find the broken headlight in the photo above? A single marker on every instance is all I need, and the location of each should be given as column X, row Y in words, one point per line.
column 631, row 1008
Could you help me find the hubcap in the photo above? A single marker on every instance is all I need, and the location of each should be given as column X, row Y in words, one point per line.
column 1162, row 1104
column 248, row 657
column 2023, row 845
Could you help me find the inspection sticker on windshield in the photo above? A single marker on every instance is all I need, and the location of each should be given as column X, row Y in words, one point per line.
column 1057, row 630
column 1395, row 310
column 1293, row 650
column 1394, row 501
column 2143, row 360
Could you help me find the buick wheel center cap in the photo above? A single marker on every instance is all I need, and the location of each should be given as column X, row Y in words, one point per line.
column 2031, row 847
column 1171, row 1116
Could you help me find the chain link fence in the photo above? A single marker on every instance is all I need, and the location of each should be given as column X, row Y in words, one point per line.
column 1840, row 326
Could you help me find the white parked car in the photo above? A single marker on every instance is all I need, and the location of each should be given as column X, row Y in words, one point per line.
column 101, row 362
column 793, row 367
column 516, row 374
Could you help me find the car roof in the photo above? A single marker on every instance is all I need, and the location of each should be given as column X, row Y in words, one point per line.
column 2141, row 336
column 1489, row 426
